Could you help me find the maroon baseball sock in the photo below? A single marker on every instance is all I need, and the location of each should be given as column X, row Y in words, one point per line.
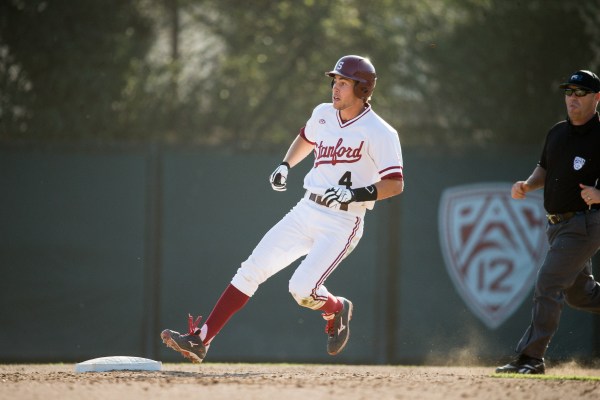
column 332, row 305
column 230, row 302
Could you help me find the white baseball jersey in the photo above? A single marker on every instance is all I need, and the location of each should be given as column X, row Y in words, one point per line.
column 355, row 153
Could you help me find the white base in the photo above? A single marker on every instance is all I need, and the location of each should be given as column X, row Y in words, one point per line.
column 118, row 363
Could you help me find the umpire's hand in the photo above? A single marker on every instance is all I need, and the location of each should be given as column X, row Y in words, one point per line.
column 519, row 189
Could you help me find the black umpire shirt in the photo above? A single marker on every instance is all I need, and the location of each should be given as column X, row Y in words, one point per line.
column 571, row 156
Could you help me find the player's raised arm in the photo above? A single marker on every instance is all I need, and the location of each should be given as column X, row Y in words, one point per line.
column 299, row 149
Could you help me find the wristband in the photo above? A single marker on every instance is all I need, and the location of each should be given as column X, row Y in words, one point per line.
column 367, row 193
column 286, row 164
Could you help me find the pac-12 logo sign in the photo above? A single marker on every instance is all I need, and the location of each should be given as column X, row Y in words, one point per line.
column 492, row 245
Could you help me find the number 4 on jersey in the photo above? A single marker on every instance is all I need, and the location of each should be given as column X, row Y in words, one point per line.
column 346, row 180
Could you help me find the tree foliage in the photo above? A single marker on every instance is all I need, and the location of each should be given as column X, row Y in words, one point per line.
column 495, row 77
column 65, row 64
column 246, row 75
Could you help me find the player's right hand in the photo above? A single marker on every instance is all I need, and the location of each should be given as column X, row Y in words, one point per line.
column 278, row 178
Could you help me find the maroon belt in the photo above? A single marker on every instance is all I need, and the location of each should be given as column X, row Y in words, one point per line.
column 319, row 200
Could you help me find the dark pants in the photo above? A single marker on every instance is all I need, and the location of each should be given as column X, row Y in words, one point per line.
column 565, row 275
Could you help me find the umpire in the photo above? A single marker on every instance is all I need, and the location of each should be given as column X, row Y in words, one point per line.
column 569, row 172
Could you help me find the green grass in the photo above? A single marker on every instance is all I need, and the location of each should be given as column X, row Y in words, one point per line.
column 549, row 377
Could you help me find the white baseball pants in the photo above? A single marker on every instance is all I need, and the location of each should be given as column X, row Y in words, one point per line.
column 325, row 236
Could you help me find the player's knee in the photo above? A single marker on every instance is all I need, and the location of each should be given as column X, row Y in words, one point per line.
column 249, row 277
column 303, row 295
column 308, row 302
column 298, row 288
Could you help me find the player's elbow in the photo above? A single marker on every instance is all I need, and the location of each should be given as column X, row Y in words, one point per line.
column 389, row 188
column 399, row 186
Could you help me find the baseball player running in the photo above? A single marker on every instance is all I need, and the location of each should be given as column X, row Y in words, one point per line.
column 357, row 160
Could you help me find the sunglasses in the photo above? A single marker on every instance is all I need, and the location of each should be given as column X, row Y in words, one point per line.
column 578, row 92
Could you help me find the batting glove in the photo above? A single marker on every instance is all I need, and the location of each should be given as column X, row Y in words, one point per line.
column 278, row 178
column 336, row 196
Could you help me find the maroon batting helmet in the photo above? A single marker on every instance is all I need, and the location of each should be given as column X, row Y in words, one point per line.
column 358, row 69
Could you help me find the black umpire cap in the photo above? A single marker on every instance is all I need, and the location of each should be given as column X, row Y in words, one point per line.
column 583, row 79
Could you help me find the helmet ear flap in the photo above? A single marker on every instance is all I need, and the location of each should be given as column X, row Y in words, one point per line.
column 359, row 87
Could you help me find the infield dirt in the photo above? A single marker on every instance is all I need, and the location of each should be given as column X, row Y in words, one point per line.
column 215, row 381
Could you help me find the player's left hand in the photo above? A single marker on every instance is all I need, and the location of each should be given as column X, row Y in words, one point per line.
column 335, row 196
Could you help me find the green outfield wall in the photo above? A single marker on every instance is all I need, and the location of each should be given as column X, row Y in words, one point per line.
column 102, row 248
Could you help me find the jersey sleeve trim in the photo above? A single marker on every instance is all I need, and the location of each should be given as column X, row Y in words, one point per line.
column 303, row 135
column 391, row 173
column 396, row 177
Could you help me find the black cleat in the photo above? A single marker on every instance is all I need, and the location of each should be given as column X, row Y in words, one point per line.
column 189, row 345
column 523, row 365
column 338, row 328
